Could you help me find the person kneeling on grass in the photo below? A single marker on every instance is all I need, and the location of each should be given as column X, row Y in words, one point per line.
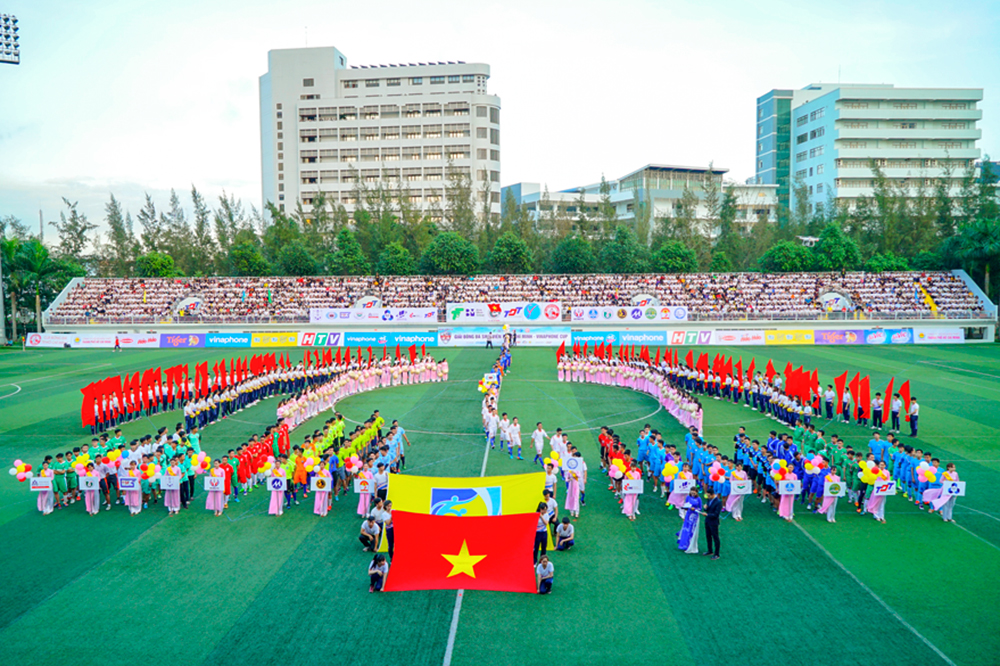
column 543, row 575
column 377, row 571
column 369, row 534
column 564, row 535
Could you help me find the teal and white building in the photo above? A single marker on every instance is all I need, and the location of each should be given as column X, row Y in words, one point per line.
column 823, row 139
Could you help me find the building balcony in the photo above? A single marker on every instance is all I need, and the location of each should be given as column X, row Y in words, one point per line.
column 896, row 134
column 909, row 153
column 889, row 172
column 910, row 114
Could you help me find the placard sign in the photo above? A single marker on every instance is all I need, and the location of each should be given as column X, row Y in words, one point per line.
column 632, row 486
column 40, row 483
column 128, row 483
column 740, row 487
column 884, row 488
column 951, row 489
column 789, row 487
column 364, row 486
column 321, row 484
column 573, row 464
column 89, row 483
column 834, row 489
column 683, row 485
column 170, row 483
column 275, row 483
column 215, row 483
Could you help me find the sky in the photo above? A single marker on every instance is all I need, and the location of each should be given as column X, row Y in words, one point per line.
column 130, row 97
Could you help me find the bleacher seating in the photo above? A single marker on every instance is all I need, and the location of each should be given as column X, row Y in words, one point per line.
column 706, row 295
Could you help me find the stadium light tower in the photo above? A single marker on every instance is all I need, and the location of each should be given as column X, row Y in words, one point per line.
column 10, row 52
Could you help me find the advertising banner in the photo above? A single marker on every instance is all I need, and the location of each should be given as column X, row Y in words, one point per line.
column 596, row 337
column 637, row 313
column 321, row 339
column 690, row 338
column 512, row 312
column 643, row 337
column 889, row 336
column 227, row 339
column 789, row 337
column 182, row 340
column 274, row 339
column 93, row 340
column 371, row 314
column 938, row 336
column 139, row 341
column 842, row 337
column 403, row 339
column 476, row 336
column 738, row 338
column 49, row 340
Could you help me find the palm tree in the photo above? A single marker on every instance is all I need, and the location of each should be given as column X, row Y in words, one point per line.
column 8, row 252
column 980, row 243
column 38, row 269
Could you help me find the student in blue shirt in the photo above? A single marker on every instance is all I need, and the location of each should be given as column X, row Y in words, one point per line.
column 878, row 448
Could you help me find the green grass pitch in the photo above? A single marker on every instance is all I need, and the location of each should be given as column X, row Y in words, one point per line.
column 251, row 589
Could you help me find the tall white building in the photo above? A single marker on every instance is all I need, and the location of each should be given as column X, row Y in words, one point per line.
column 324, row 124
column 831, row 133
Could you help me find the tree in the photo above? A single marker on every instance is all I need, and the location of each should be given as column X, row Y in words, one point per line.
column 295, row 259
column 510, row 254
column 149, row 222
column 281, row 232
column 156, row 264
column 675, row 257
column 835, row 251
column 396, row 260
column 12, row 227
column 460, row 209
column 607, row 213
column 623, row 253
column 786, row 257
column 450, row 254
column 881, row 263
column 40, row 272
column 980, row 246
column 349, row 258
column 513, row 217
column 122, row 248
column 203, row 248
column 73, row 233
column 245, row 260
column 230, row 220
column 720, row 263
column 572, row 255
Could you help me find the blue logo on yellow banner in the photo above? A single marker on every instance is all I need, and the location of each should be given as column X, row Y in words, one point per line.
column 466, row 501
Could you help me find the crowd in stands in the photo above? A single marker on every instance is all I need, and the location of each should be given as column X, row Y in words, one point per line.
column 706, row 295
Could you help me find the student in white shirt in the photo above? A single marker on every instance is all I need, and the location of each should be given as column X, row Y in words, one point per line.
column 914, row 415
column 538, row 436
column 514, row 433
column 564, row 534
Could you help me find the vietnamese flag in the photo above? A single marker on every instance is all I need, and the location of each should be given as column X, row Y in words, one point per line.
column 559, row 352
column 739, row 372
column 689, row 359
column 855, row 388
column 769, row 371
column 472, row 553
column 866, row 396
column 840, row 383
column 753, row 360
column 904, row 395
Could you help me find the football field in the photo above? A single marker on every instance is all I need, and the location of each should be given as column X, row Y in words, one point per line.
column 248, row 588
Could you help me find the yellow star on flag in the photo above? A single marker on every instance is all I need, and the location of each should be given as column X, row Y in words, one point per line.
column 463, row 563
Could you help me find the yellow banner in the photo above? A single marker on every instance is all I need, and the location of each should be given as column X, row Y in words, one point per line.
column 274, row 340
column 789, row 337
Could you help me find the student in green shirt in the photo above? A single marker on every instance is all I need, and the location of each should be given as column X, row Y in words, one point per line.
column 117, row 439
column 59, row 484
column 194, row 439
column 72, row 483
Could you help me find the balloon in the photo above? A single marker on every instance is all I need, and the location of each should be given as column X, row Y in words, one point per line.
column 17, row 462
column 21, row 477
column 555, row 455
column 13, row 471
column 105, row 460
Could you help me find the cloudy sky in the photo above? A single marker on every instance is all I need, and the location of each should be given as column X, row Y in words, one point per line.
column 133, row 97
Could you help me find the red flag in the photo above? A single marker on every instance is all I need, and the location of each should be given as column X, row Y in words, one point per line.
column 644, row 354
column 839, row 383
column 327, row 357
column 281, row 361
column 855, row 388
column 305, row 359
column 904, row 395
column 753, row 360
column 631, row 355
column 599, row 351
column 788, row 369
column 385, row 353
column 413, row 353
column 739, row 370
column 361, row 359
column 585, row 350
column 866, row 398
column 338, row 354
column 727, row 369
column 656, row 361
column 703, row 363
column 887, row 403
column 399, row 355
column 472, row 553
column 769, row 371
column 91, row 396
column 370, row 356
column 814, row 383
column 423, row 350
column 559, row 352
column 716, row 365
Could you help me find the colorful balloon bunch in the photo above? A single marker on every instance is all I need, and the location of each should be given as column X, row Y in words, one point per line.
column 717, row 472
column 150, row 470
column 353, row 464
column 80, row 464
column 670, row 471
column 114, row 457
column 870, row 473
column 926, row 473
column 268, row 465
column 617, row 469
column 779, row 470
column 554, row 460
column 815, row 465
column 310, row 463
column 486, row 384
column 21, row 470
column 200, row 462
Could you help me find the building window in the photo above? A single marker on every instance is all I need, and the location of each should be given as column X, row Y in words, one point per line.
column 416, row 80
column 435, row 80
column 495, row 137
column 818, row 113
column 801, row 120
column 350, row 84
column 904, row 126
column 760, row 165
column 855, row 125
column 307, row 83
column 481, row 153
column 800, row 157
column 482, row 133
column 903, row 145
column 494, row 197
column 820, row 169
column 904, row 105
column 950, row 144
column 818, row 132
column 955, row 106
column 855, row 105
column 494, row 176
column 432, row 131
column 802, row 138
column 953, row 126
column 817, row 151
column 495, row 155
column 432, row 153
column 855, row 144
column 494, row 115
column 454, row 78
column 819, row 188
column 371, row 83
column 481, row 112
column 390, row 133
column 760, row 147
column 392, row 83
column 801, row 173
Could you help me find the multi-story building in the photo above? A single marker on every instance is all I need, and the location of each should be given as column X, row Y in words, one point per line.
column 325, row 125
column 660, row 187
column 10, row 50
column 837, row 132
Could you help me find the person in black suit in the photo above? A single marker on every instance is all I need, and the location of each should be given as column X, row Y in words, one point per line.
column 713, row 509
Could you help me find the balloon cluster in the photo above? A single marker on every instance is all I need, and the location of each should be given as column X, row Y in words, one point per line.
column 617, row 469
column 21, row 470
column 506, row 327
column 779, row 470
column 554, row 460
column 353, row 464
column 200, row 462
column 80, row 464
column 816, row 464
column 487, row 384
column 113, row 457
column 670, row 471
column 268, row 465
column 150, row 470
column 717, row 472
column 926, row 473
column 310, row 463
column 870, row 473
